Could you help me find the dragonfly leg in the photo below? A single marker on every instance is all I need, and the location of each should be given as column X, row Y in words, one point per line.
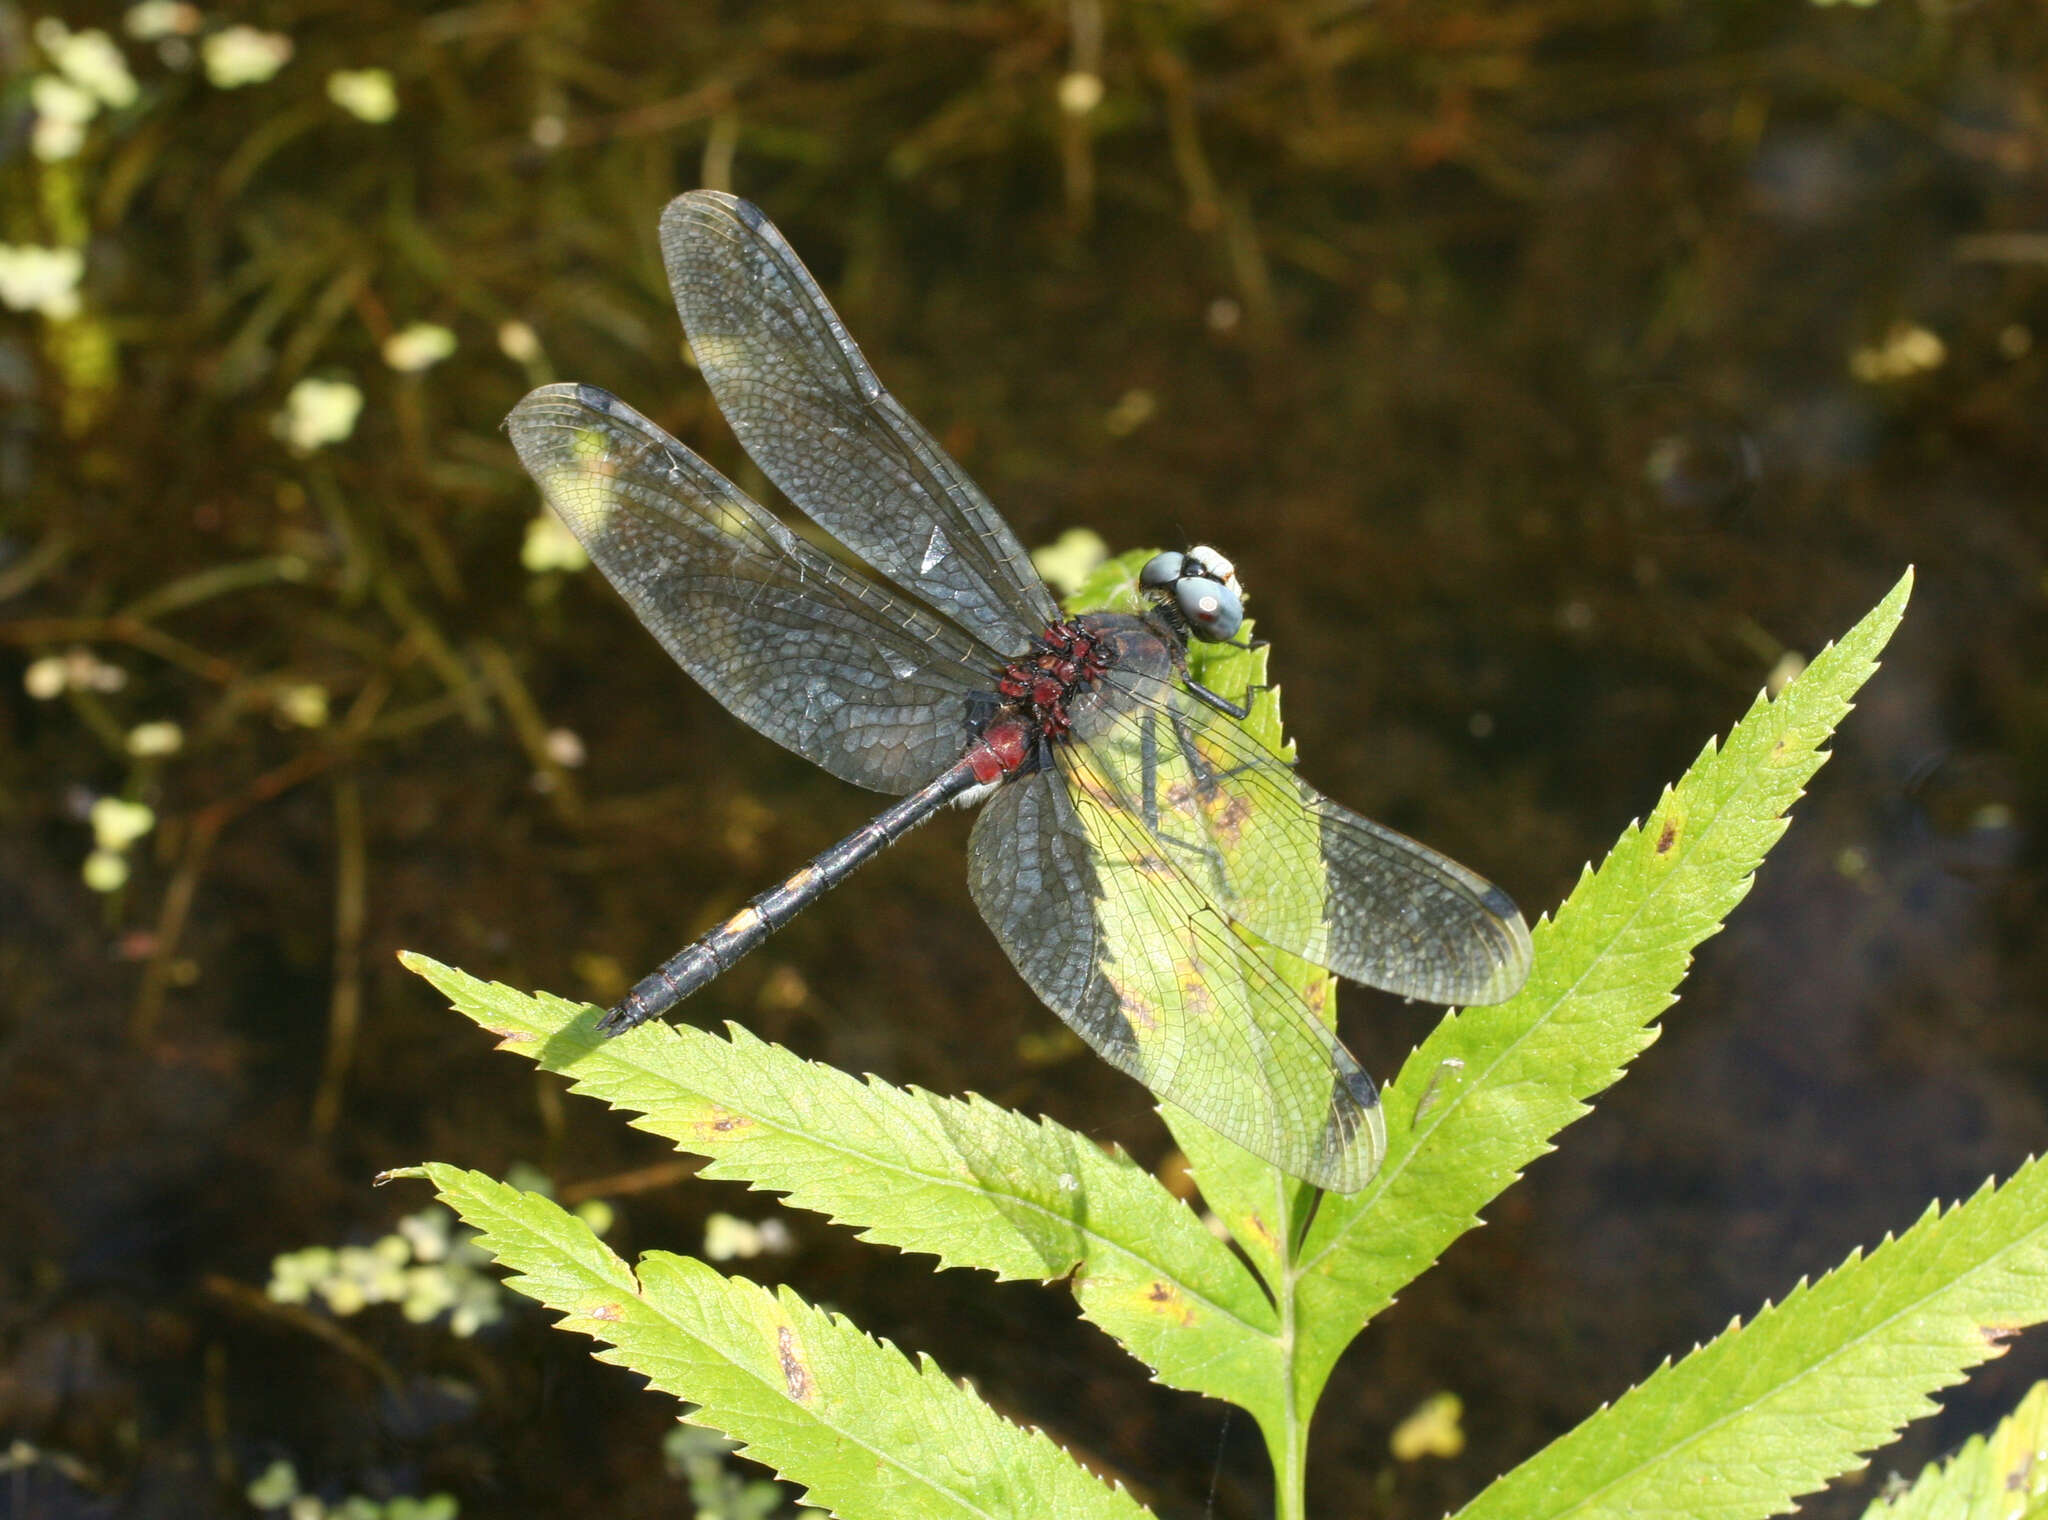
column 1206, row 776
column 1223, row 704
column 1148, row 771
column 1201, row 848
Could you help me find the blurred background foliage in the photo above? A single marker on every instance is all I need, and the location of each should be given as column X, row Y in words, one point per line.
column 1556, row 372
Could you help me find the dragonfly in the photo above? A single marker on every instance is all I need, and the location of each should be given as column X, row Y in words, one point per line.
column 1151, row 870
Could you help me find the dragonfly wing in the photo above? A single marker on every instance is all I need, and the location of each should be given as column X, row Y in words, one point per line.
column 816, row 420
column 1118, row 943
column 1299, row 871
column 1405, row 918
column 841, row 670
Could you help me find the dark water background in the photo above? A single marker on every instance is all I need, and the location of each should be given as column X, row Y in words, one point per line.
column 1510, row 351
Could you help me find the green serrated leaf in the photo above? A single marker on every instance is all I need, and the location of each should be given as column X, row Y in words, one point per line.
column 1775, row 1408
column 1484, row 1094
column 2000, row 1477
column 968, row 1182
column 865, row 1431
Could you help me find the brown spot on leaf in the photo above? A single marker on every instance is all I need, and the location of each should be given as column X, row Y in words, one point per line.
column 1667, row 836
column 1228, row 814
column 1168, row 1299
column 1999, row 1335
column 714, row 1124
column 610, row 1314
column 1256, row 1226
column 796, row 1377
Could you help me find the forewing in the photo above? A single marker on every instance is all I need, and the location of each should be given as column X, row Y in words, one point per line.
column 839, row 669
column 816, row 420
column 1302, row 873
column 1117, row 942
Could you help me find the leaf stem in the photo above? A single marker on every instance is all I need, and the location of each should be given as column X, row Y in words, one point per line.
column 1288, row 1444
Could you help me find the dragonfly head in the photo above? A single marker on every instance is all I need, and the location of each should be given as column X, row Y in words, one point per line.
column 1198, row 590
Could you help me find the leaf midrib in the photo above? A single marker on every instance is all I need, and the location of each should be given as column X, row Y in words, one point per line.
column 1812, row 1367
column 1697, row 839
column 870, row 1163
column 711, row 1347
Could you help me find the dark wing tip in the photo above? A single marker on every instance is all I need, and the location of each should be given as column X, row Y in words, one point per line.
column 1351, row 1077
column 1354, row 1144
column 1362, row 1090
column 604, row 401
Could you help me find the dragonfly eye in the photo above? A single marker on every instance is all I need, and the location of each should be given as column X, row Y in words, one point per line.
column 1209, row 606
column 1161, row 571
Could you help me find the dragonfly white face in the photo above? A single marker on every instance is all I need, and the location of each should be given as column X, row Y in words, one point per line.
column 1215, row 566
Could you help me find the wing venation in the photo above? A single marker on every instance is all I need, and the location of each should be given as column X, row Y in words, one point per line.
column 837, row 668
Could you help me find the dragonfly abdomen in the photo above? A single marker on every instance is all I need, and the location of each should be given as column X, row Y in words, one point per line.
column 999, row 751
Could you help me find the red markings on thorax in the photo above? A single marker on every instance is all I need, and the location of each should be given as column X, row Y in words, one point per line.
column 1064, row 660
column 1004, row 744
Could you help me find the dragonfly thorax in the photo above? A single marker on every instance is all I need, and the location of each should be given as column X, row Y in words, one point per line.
column 1056, row 690
column 1065, row 660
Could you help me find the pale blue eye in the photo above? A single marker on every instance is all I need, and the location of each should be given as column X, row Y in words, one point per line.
column 1211, row 608
column 1161, row 571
